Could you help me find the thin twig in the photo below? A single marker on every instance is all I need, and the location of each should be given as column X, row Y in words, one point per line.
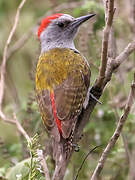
column 113, row 64
column 124, row 138
column 43, row 164
column 125, row 53
column 20, row 42
column 21, row 129
column 4, row 60
column 45, row 168
column 17, row 123
column 109, row 12
column 6, row 119
column 84, row 161
column 116, row 134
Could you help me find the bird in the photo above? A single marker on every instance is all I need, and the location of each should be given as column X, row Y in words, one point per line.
column 63, row 74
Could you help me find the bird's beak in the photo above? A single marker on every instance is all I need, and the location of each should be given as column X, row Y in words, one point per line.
column 78, row 21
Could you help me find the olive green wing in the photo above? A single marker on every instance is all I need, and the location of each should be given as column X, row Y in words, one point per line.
column 69, row 98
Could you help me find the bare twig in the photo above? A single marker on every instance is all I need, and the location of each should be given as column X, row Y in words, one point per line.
column 116, row 134
column 125, row 53
column 123, row 135
column 21, row 129
column 124, row 138
column 45, row 168
column 84, row 161
column 113, row 64
column 17, row 123
column 20, row 42
column 109, row 12
column 4, row 60
column 6, row 119
column 43, row 164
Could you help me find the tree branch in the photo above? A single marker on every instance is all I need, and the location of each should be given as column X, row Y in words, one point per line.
column 21, row 129
column 43, row 164
column 113, row 64
column 116, row 134
column 125, row 53
column 109, row 12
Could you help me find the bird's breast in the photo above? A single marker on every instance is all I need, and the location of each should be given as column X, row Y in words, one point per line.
column 55, row 65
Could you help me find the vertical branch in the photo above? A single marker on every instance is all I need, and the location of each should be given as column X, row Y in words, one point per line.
column 109, row 12
column 116, row 134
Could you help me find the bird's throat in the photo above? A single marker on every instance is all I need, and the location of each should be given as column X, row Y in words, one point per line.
column 47, row 45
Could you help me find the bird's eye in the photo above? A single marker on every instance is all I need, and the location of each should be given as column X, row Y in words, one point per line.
column 60, row 24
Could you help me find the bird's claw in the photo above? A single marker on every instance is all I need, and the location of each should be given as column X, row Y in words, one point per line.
column 76, row 147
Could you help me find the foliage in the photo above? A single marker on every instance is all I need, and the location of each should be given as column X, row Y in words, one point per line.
column 28, row 169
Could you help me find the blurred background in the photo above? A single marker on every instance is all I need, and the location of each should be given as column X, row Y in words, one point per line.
column 20, row 96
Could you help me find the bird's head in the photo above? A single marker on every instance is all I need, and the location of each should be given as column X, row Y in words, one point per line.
column 59, row 30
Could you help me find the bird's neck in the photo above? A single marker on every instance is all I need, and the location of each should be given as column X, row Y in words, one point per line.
column 47, row 45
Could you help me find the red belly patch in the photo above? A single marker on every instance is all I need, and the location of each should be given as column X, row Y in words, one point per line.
column 58, row 122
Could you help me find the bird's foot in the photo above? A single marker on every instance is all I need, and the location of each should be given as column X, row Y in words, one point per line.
column 76, row 147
